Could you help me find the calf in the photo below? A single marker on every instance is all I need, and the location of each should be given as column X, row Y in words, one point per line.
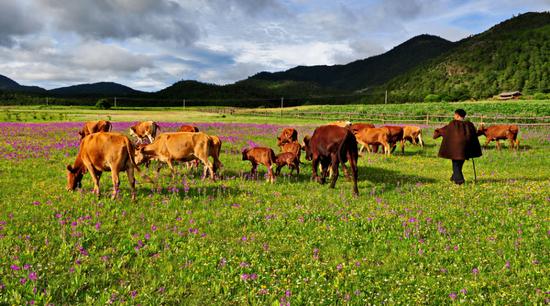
column 332, row 145
column 374, row 136
column 287, row 159
column 188, row 128
column 413, row 134
column 288, row 135
column 260, row 155
column 103, row 152
column 91, row 127
column 144, row 130
column 500, row 132
column 293, row 147
column 170, row 147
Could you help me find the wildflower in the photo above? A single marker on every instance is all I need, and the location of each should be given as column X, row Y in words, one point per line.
column 32, row 276
column 507, row 265
column 15, row 267
column 153, row 228
column 22, row 280
column 339, row 267
column 475, row 271
column 98, row 226
column 463, row 291
column 133, row 293
column 452, row 295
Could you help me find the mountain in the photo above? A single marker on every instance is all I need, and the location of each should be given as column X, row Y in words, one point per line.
column 513, row 55
column 95, row 89
column 366, row 73
column 9, row 85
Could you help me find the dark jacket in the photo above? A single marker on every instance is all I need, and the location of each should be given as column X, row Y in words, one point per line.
column 459, row 141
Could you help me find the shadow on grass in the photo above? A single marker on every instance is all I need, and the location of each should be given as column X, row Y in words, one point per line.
column 390, row 177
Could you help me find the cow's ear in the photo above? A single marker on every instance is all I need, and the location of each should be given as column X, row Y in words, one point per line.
column 278, row 138
column 70, row 168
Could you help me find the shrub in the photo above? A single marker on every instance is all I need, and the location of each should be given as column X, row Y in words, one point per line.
column 540, row 96
column 432, row 98
column 103, row 104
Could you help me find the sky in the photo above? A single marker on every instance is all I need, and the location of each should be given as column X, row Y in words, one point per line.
column 151, row 44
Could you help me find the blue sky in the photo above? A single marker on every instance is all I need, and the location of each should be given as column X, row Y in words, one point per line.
column 150, row 44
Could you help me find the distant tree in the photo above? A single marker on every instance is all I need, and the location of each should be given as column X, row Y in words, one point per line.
column 540, row 96
column 103, row 104
column 432, row 98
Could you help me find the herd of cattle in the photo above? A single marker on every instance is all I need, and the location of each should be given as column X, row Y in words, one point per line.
column 330, row 145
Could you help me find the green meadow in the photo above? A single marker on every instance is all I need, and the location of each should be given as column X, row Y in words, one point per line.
column 410, row 237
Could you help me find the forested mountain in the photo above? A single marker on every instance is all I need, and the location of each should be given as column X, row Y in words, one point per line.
column 9, row 85
column 370, row 72
column 513, row 55
column 95, row 89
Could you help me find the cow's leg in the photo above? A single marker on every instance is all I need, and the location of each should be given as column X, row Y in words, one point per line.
column 151, row 139
column 314, row 166
column 278, row 170
column 511, row 141
column 334, row 166
column 498, row 144
column 270, row 176
column 96, row 175
column 116, row 183
column 420, row 141
column 325, row 163
column 402, row 146
column 487, row 141
column 254, row 169
column 131, row 180
column 353, row 166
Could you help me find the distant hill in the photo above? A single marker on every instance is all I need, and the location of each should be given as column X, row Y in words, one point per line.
column 9, row 85
column 513, row 55
column 366, row 73
column 95, row 89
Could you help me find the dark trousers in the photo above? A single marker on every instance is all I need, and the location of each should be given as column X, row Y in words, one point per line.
column 457, row 177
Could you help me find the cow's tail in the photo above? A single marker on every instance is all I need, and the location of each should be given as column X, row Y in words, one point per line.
column 349, row 144
column 272, row 159
column 110, row 126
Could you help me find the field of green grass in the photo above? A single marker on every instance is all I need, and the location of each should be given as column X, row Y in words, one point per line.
column 410, row 237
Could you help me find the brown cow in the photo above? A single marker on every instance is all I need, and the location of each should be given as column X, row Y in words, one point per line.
column 287, row 159
column 332, row 145
column 341, row 123
column 91, row 127
column 145, row 130
column 356, row 127
column 396, row 135
column 413, row 134
column 178, row 146
column 374, row 136
column 500, row 132
column 439, row 132
column 260, row 155
column 293, row 147
column 288, row 135
column 103, row 152
column 188, row 128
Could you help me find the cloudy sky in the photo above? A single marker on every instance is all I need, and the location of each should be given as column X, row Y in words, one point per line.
column 150, row 44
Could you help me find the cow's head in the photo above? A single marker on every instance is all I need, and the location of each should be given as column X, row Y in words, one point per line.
column 306, row 147
column 74, row 177
column 139, row 155
column 81, row 134
column 437, row 133
column 279, row 141
column 481, row 130
column 133, row 132
column 245, row 153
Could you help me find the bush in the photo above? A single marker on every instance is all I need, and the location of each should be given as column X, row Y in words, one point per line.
column 103, row 104
column 432, row 98
column 540, row 96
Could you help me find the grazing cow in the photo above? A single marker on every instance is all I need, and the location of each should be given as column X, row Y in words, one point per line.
column 396, row 135
column 261, row 155
column 287, row 136
column 439, row 132
column 91, row 127
column 341, row 123
column 356, row 127
column 374, row 136
column 413, row 134
column 144, row 130
column 103, row 152
column 170, row 147
column 293, row 147
column 500, row 132
column 188, row 128
column 287, row 159
column 332, row 145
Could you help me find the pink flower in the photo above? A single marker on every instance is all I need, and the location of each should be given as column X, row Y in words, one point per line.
column 32, row 276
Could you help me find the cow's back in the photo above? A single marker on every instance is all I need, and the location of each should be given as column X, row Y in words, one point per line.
column 102, row 148
column 178, row 145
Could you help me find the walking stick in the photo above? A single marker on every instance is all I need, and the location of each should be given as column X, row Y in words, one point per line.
column 475, row 176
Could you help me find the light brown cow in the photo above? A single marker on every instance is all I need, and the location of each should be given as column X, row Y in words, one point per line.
column 500, row 132
column 101, row 152
column 188, row 128
column 144, row 130
column 340, row 123
column 260, row 155
column 356, row 127
column 179, row 146
column 413, row 134
column 293, row 147
column 287, row 159
column 288, row 135
column 374, row 136
column 91, row 127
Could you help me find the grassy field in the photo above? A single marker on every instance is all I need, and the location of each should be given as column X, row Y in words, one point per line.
column 410, row 237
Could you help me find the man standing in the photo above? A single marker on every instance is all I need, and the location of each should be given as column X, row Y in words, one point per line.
column 459, row 143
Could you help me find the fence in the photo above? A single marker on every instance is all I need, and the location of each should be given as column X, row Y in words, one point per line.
column 426, row 119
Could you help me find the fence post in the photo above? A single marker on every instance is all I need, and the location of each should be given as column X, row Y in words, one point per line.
column 427, row 119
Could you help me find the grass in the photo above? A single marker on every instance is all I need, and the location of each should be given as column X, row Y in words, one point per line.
column 410, row 237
